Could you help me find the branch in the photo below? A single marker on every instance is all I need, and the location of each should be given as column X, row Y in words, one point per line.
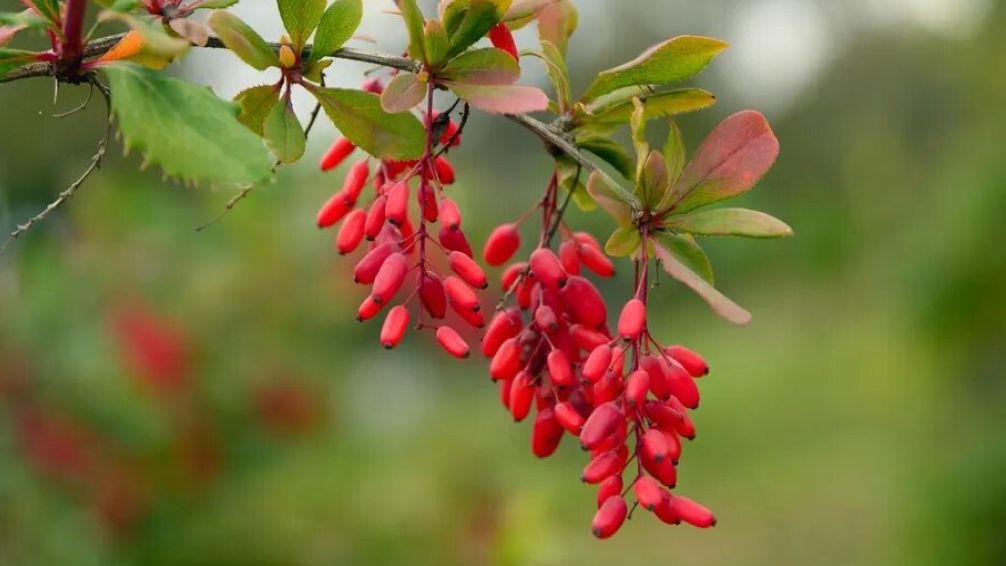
column 94, row 166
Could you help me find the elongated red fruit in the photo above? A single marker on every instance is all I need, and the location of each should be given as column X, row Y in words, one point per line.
column 693, row 363
column 570, row 257
column 336, row 154
column 559, row 369
column 466, row 268
column 390, row 277
column 570, row 419
column 601, row 467
column 505, row 388
column 609, row 487
column 657, row 368
column 503, row 242
column 596, row 261
column 504, row 325
column 368, row 309
column 501, row 38
column 686, row 427
column 512, row 274
column 545, row 319
column 366, row 270
column 474, row 318
column 584, row 302
column 428, row 203
column 394, row 327
column 351, row 232
column 451, row 341
column 655, row 445
column 600, row 425
column 663, row 415
column 506, row 363
column 609, row 517
column 450, row 214
column 632, row 321
column 683, row 386
column 432, row 296
column 597, row 363
column 665, row 513
column 397, row 208
column 691, row 512
column 375, row 218
column 548, row 269
column 374, row 86
column 334, row 210
column 546, row 433
column 448, row 135
column 521, row 396
column 455, row 241
column 460, row 296
column 649, row 494
column 445, row 171
column 586, row 338
column 637, row 386
column 587, row 239
column 663, row 471
column 356, row 179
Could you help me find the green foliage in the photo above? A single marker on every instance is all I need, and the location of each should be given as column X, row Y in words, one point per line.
column 301, row 18
column 416, row 25
column 360, row 118
column 185, row 129
column 283, row 132
column 11, row 59
column 402, row 93
column 501, row 99
column 255, row 104
column 488, row 66
column 240, row 38
column 338, row 24
column 479, row 16
column 729, row 222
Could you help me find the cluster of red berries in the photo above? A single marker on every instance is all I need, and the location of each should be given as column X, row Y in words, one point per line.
column 623, row 396
column 400, row 239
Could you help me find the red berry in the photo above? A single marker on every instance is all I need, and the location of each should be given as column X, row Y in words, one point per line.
column 428, row 203
column 632, row 321
column 375, row 218
column 602, row 467
column 692, row 362
column 608, row 488
column 501, row 38
column 503, row 242
column 545, row 319
column 445, row 171
column 597, row 363
column 506, row 363
column 655, row 445
column 636, row 388
column 452, row 342
column 366, row 270
column 450, row 215
column 649, row 494
column 336, row 154
column 691, row 512
column 394, row 327
column 448, row 135
column 569, row 256
column 368, row 309
column 664, row 512
column 432, row 295
column 683, row 386
column 356, row 179
column 455, row 241
column 596, row 261
column 512, row 274
column 569, row 418
column 466, row 268
column 686, row 427
column 559, row 369
column 474, row 318
column 351, row 232
column 548, row 269
column 373, row 86
column 584, row 302
column 521, row 396
column 334, row 210
column 609, row 517
column 546, row 433
column 460, row 296
column 663, row 470
column 503, row 326
column 586, row 338
column 397, row 208
column 390, row 277
column 600, row 425
column 586, row 239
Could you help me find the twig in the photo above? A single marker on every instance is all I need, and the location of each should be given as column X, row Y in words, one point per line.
column 94, row 166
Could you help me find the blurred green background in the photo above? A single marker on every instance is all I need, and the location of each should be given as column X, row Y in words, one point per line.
column 857, row 420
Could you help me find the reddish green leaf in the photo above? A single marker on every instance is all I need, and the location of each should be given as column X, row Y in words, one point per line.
column 671, row 61
column 360, row 118
column 611, row 197
column 730, row 222
column 729, row 162
column 479, row 17
column 403, row 93
column 623, row 242
column 663, row 244
column 502, row 99
column 556, row 22
column 656, row 106
column 437, row 43
column 488, row 66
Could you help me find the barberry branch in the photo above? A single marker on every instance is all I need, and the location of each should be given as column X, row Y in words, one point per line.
column 94, row 166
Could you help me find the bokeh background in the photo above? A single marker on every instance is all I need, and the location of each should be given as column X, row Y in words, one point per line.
column 858, row 420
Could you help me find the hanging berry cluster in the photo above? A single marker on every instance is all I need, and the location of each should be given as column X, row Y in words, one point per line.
column 622, row 393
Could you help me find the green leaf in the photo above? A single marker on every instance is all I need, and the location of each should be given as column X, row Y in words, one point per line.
column 255, row 104
column 154, row 39
column 729, row 222
column 611, row 152
column 217, row 4
column 314, row 70
column 556, row 23
column 688, row 252
column 501, row 99
column 570, row 176
column 729, row 162
column 283, row 133
column 667, row 248
column 360, row 118
column 338, row 24
column 403, row 93
column 487, row 66
column 638, row 126
column 611, row 197
column 48, row 9
column 242, row 40
column 671, row 61
column 11, row 59
column 300, row 18
column 186, row 129
column 436, row 43
column 416, row 24
column 654, row 182
column 558, row 73
column 674, row 153
column 658, row 105
column 521, row 10
column 623, row 242
column 479, row 18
